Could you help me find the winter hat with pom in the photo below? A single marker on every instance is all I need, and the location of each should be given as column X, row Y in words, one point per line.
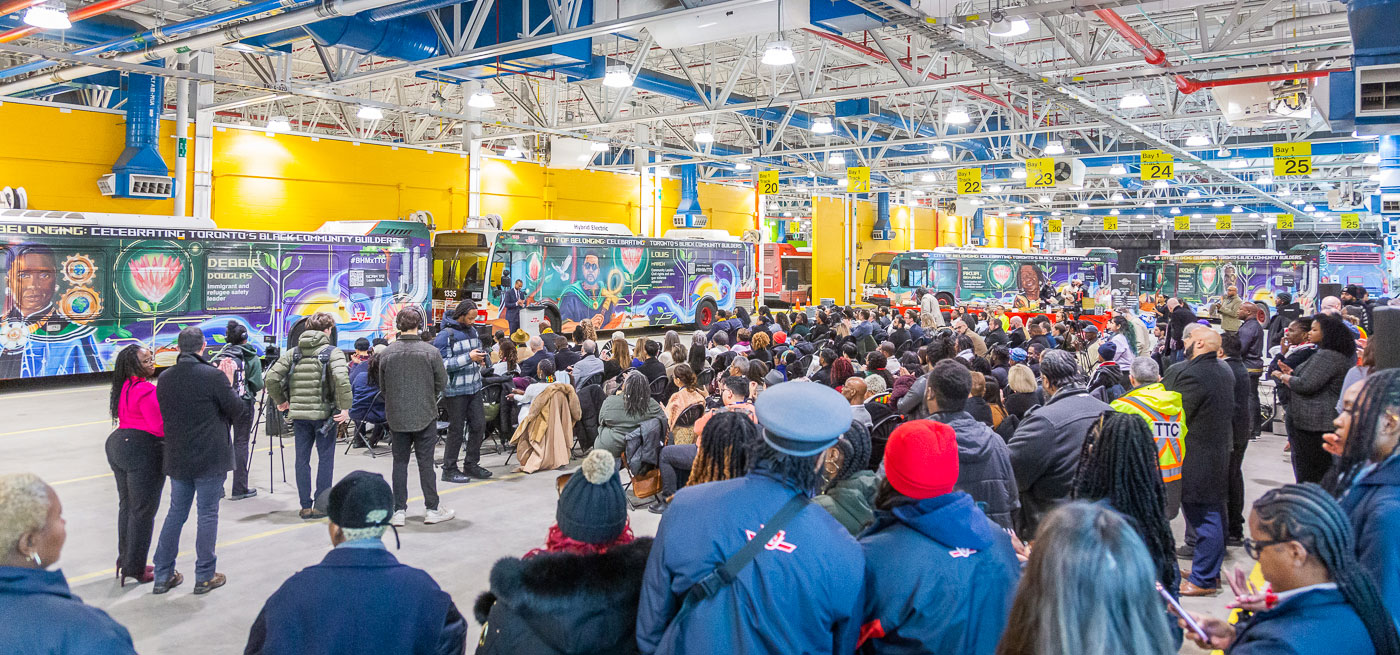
column 592, row 507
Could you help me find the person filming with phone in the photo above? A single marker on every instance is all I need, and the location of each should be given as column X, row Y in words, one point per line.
column 465, row 359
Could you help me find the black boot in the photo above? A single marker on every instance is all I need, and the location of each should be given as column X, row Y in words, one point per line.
column 476, row 471
column 453, row 475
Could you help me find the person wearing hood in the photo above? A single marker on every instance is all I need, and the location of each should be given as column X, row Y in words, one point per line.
column 800, row 590
column 940, row 575
column 312, row 384
column 393, row 608
column 1106, row 383
column 247, row 382
column 39, row 612
column 984, row 460
column 466, row 364
column 1161, row 409
column 850, row 494
column 577, row 594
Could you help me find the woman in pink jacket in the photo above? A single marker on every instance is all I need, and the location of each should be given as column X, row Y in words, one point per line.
column 135, row 451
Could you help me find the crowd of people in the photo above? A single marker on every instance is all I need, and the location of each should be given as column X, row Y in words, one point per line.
column 852, row 480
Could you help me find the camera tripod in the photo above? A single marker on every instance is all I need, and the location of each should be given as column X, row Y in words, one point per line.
column 259, row 419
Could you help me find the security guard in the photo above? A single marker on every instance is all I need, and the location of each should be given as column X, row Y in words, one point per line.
column 1162, row 411
column 798, row 589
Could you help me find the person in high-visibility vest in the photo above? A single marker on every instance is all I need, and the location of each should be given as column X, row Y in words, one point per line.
column 1162, row 411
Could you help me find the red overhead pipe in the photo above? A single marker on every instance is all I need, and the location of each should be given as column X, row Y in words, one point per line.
column 871, row 52
column 1139, row 42
column 18, row 5
column 81, row 13
column 1196, row 85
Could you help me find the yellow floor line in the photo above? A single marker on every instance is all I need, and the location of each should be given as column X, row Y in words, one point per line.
column 276, row 531
column 53, row 427
column 56, row 392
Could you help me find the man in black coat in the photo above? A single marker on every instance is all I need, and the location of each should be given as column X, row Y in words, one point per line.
column 1242, row 430
column 564, row 356
column 1179, row 317
column 198, row 404
column 1210, row 415
column 529, row 365
column 651, row 366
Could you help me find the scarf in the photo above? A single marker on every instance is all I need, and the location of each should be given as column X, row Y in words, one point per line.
column 558, row 543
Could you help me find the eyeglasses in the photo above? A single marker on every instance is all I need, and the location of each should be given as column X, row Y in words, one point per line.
column 1253, row 548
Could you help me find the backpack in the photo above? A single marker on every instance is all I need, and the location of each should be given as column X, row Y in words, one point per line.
column 327, row 384
column 240, row 382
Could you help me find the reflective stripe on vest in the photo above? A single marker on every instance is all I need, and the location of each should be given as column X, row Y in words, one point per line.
column 1169, row 448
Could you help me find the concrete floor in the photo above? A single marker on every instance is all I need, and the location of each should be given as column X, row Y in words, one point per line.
column 59, row 434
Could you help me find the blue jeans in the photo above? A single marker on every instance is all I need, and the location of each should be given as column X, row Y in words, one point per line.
column 320, row 434
column 182, row 493
column 1209, row 524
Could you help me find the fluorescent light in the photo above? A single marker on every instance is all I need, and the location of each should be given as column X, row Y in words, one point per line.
column 370, row 114
column 1238, row 163
column 1218, row 203
column 779, row 53
column 1254, row 215
column 1054, row 148
column 1159, row 184
column 842, row 182
column 941, row 153
column 1265, row 179
column 1055, row 213
column 704, row 136
column 1044, row 197
column 48, row 16
column 1196, row 215
column 957, row 115
column 1113, row 211
column 1283, row 191
column 617, row 77
column 1116, row 197
column 1176, row 210
column 1193, row 194
column 1117, row 169
column 279, row 124
column 513, row 152
column 1222, row 153
column 482, row 99
column 822, row 125
column 995, row 188
column 1237, row 210
column 927, row 177
column 1083, row 205
column 1310, row 208
column 742, row 166
column 1150, row 203
column 1197, row 141
column 1133, row 100
column 1018, row 174
column 598, row 146
column 1142, row 216
column 1373, row 159
column 836, row 159
column 1009, row 28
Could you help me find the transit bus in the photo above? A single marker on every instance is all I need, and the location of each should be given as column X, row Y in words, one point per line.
column 1002, row 275
column 1199, row 277
column 782, row 261
column 81, row 286
column 596, row 272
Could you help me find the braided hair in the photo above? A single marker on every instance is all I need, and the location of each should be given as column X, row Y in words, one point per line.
column 1309, row 515
column 1118, row 463
column 723, row 453
column 126, row 366
column 1380, row 396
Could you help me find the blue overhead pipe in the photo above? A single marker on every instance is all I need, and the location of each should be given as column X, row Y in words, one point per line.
column 411, row 7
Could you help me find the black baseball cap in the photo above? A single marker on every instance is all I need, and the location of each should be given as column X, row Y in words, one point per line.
column 360, row 500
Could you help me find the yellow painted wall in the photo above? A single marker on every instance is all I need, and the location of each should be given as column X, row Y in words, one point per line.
column 58, row 154
column 1018, row 235
column 950, row 230
column 827, row 249
column 925, row 228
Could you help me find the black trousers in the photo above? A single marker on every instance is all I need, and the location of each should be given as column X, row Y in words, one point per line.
column 675, row 461
column 136, row 458
column 463, row 412
column 242, row 430
column 1234, row 506
column 1310, row 461
column 1256, row 422
column 420, row 444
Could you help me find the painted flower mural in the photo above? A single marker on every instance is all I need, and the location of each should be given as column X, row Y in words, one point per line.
column 154, row 275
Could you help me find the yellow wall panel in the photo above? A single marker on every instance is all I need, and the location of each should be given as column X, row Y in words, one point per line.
column 827, row 249
column 925, row 228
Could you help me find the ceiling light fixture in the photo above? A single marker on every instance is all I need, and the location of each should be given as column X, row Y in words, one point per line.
column 598, row 146
column 1310, row 208
column 482, row 99
column 370, row 114
column 743, row 166
column 1218, row 203
column 1265, row 179
column 1083, row 205
column 779, row 53
column 1117, row 169
column 1020, row 209
column 842, row 182
column 1196, row 215
column 1283, row 191
column 513, row 152
column 1237, row 210
column 1113, row 212
column 1176, row 210
column 1193, row 194
column 48, row 16
column 1009, row 28
column 1134, row 100
column 1044, row 197
column 941, row 153
column 1254, row 214
column 1197, row 141
column 927, row 177
column 704, row 136
column 279, row 124
column 1018, row 174
column 836, row 159
column 617, row 77
column 1116, row 197
column 1373, row 159
column 1238, row 163
column 1222, row 153
column 1159, row 184
column 822, row 125
column 1054, row 148
column 1055, row 213
column 957, row 115
column 995, row 188
column 1142, row 215
column 1150, row 203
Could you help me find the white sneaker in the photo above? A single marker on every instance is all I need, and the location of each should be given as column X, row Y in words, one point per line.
column 397, row 520
column 438, row 516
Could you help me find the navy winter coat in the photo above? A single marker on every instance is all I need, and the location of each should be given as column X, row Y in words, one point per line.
column 1312, row 622
column 40, row 616
column 1045, row 452
column 800, row 596
column 368, row 404
column 359, row 600
column 939, row 578
column 1373, row 503
column 984, row 467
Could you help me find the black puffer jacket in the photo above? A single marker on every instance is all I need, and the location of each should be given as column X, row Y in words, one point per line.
column 984, row 467
column 565, row 604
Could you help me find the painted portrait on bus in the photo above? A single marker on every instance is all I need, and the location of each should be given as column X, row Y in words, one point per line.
column 1028, row 282
column 47, row 303
column 588, row 298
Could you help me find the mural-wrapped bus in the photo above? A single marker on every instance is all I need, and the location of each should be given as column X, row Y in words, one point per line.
column 80, row 287
column 597, row 272
column 1004, row 275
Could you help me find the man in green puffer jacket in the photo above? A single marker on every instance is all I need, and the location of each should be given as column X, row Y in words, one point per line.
column 850, row 496
column 317, row 392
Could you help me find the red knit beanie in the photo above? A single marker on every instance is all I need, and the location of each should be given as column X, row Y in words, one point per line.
column 921, row 459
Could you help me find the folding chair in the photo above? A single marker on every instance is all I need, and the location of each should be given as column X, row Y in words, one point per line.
column 706, row 377
column 659, row 389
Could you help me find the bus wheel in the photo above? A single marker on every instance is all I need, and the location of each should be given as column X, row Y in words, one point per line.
column 945, row 299
column 705, row 314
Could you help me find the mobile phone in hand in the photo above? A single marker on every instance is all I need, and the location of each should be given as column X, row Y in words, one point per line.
column 1181, row 612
